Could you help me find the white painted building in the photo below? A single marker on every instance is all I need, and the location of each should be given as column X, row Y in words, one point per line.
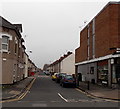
column 67, row 65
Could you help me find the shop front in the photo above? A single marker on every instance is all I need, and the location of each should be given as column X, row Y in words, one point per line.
column 102, row 72
column 116, row 72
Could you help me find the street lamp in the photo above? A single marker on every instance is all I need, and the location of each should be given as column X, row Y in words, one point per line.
column 29, row 51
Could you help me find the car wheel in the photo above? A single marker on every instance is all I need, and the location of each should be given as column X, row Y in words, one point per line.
column 60, row 84
column 63, row 85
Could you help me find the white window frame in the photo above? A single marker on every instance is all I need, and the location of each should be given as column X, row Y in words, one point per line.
column 7, row 44
column 10, row 38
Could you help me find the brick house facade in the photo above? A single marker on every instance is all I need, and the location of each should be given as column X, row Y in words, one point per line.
column 11, row 51
column 97, row 59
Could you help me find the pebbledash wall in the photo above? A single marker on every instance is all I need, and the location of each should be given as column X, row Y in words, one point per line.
column 98, row 58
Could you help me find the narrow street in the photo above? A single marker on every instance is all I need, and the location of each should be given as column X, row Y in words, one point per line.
column 46, row 93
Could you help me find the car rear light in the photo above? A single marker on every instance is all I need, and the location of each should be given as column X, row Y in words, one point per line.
column 65, row 80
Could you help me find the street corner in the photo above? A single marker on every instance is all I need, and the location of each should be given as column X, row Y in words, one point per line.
column 18, row 95
column 105, row 95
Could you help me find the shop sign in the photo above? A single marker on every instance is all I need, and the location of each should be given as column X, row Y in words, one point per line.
column 112, row 61
column 104, row 82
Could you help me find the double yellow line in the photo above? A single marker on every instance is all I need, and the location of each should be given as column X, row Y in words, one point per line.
column 22, row 95
column 92, row 96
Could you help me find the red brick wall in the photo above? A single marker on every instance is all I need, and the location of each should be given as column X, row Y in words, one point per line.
column 77, row 55
column 106, row 34
column 83, row 45
column 102, row 33
column 119, row 25
column 90, row 40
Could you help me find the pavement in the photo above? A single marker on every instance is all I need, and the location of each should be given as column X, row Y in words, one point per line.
column 14, row 90
column 100, row 91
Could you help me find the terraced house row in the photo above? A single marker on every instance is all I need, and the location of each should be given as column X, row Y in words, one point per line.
column 63, row 65
column 15, row 64
column 97, row 59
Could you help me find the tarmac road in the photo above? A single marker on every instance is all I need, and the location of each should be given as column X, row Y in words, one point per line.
column 46, row 93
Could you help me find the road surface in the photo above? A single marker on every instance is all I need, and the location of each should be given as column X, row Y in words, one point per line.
column 46, row 93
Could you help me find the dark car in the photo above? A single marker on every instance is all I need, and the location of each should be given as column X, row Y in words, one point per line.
column 59, row 77
column 68, row 80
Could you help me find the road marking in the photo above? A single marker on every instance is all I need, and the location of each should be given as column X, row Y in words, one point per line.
column 22, row 95
column 55, row 101
column 107, row 100
column 30, row 101
column 28, row 88
column 62, row 97
column 39, row 105
column 72, row 100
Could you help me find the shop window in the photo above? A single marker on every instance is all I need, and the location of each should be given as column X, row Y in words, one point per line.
column 91, row 70
column 118, row 73
column 103, row 74
column 114, row 80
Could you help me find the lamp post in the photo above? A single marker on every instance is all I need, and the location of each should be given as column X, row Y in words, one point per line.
column 30, row 51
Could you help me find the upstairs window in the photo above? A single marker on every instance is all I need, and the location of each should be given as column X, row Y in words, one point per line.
column 15, row 48
column 5, row 43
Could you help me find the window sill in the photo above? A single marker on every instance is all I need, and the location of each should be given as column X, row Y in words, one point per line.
column 4, row 51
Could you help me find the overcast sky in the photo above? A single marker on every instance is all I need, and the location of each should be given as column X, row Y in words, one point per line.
column 51, row 27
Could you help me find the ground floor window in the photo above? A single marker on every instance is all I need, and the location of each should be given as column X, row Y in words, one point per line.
column 116, row 71
column 103, row 72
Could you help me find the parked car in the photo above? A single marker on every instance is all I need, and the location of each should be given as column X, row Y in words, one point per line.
column 59, row 77
column 54, row 76
column 47, row 73
column 68, row 80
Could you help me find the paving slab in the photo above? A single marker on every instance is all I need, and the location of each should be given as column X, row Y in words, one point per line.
column 9, row 91
column 101, row 91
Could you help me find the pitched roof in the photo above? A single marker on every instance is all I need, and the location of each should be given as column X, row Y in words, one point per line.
column 7, row 24
column 61, row 58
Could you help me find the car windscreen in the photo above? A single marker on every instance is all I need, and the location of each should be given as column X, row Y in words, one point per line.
column 69, row 77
